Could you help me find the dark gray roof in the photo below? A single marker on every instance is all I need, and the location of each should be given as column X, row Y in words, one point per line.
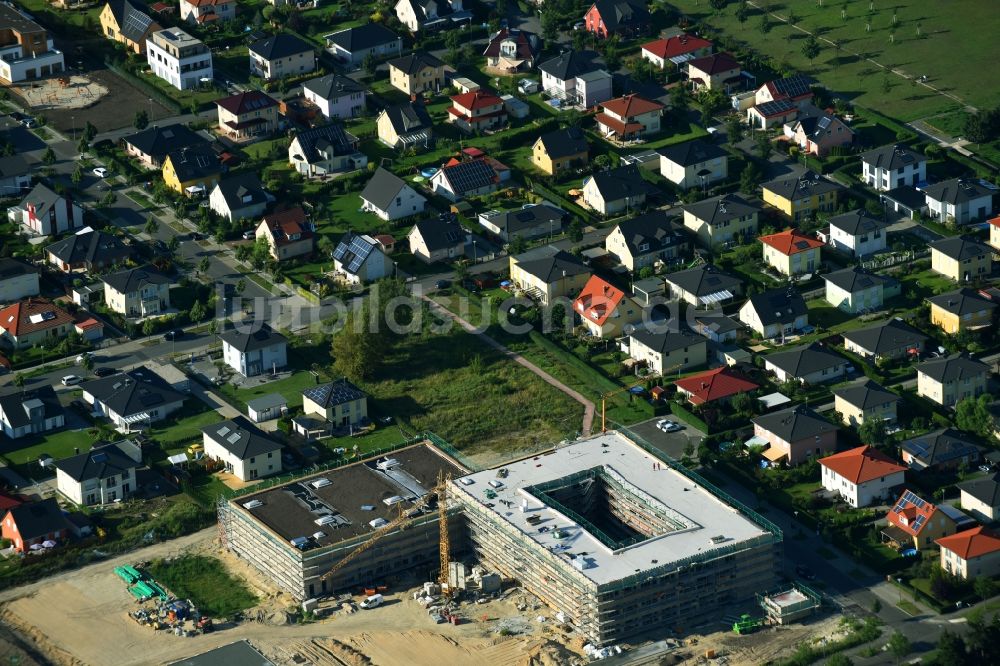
column 866, row 394
column 408, row 117
column 892, row 157
column 132, row 392
column 334, row 393
column 655, row 228
column 718, row 323
column 236, row 189
column 568, row 65
column 412, row 63
column 194, row 162
column 986, row 489
column 625, row 181
column 551, row 265
column 245, row 341
column 240, row 653
column 941, row 446
column 88, row 248
column 805, row 185
column 157, row 141
column 10, row 268
column 817, row 123
column 38, row 519
column 332, row 86
column 908, row 196
column 42, row 198
column 961, row 248
column 281, row 45
column 704, row 280
column 133, row 279
column 722, row 209
column 802, row 361
column 325, row 137
column 692, row 152
column 620, row 13
column 795, row 424
column 857, row 222
column 132, row 21
column 854, row 279
column 952, row 368
column 887, row 336
column 363, row 37
column 778, row 306
column 962, row 301
column 440, row 234
column 958, row 191
column 515, row 221
column 13, row 165
column 21, row 406
column 241, row 438
column 382, row 188
column 564, row 142
column 98, row 463
column 667, row 342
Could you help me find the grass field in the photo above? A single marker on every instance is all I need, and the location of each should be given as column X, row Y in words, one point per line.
column 205, row 581
column 177, row 431
column 290, row 387
column 59, row 445
column 953, row 50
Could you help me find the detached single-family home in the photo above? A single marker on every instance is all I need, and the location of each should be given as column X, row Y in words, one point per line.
column 675, row 50
column 791, row 253
column 949, row 380
column 15, row 174
column 29, row 52
column 693, row 164
column 338, row 404
column 88, row 251
column 254, row 350
column 668, row 352
column 646, row 239
column 469, row 178
column 103, row 475
column 703, row 286
column 335, row 96
column 775, row 313
column 245, row 450
column 961, row 258
column 180, row 59
column 35, row 523
column 431, row 15
column 626, row 18
column 718, row 71
column 865, row 401
column 324, row 150
column 963, row 200
column 359, row 259
column 802, row 197
column 605, row 310
column 629, row 118
column 247, row 114
column 388, row 196
column 892, row 339
column 547, row 273
column 405, row 125
column 971, row 554
column 478, row 111
column 137, row 292
column 572, row 78
column 124, row 22
column 132, row 400
column 916, row 523
column 201, row 12
column 893, row 166
column 437, row 239
column 810, row 364
column 560, row 150
column 33, row 322
column 30, row 412
column 962, row 310
column 858, row 233
column 416, row 73
column 780, row 102
column 281, row 55
column 511, row 50
column 18, row 279
column 945, row 448
column 288, row 233
column 618, row 190
column 817, row 132
column 981, row 497
column 44, row 213
column 717, row 327
column 353, row 45
column 722, row 220
column 862, row 475
column 855, row 290
column 240, row 197
column 532, row 221
column 794, row 435
column 192, row 171
column 152, row 145
column 718, row 386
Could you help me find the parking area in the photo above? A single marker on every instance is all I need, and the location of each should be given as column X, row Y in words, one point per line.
column 670, row 443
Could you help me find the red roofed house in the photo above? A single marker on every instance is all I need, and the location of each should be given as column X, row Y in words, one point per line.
column 89, row 329
column 605, row 309
column 862, row 475
column 676, row 50
column 916, row 523
column 247, row 114
column 778, row 102
column 512, row 50
column 719, row 71
column 718, row 385
column 995, row 233
column 477, row 111
column 621, row 17
column 33, row 321
column 792, row 253
column 287, row 233
column 35, row 523
column 628, row 118
column 971, row 553
column 206, row 11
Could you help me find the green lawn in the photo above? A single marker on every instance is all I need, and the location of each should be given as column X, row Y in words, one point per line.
column 927, row 283
column 184, row 427
column 59, row 445
column 206, row 582
column 290, row 387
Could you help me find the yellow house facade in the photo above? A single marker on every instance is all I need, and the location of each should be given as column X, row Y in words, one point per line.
column 801, row 198
column 544, row 162
column 416, row 73
column 546, row 278
column 791, row 253
column 961, row 310
column 179, row 176
column 115, row 14
column 961, row 259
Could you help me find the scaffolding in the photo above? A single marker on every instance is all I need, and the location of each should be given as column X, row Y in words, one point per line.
column 789, row 604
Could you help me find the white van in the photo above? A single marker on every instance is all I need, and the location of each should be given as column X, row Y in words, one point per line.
column 373, row 601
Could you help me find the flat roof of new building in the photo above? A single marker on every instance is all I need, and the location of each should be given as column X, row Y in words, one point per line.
column 350, row 497
column 693, row 521
column 240, row 653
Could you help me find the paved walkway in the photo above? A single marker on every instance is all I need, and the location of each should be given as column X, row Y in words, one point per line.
column 214, row 401
column 588, row 406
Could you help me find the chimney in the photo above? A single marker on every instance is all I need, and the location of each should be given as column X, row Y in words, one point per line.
column 76, row 450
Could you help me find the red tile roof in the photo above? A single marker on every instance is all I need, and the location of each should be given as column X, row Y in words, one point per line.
column 8, row 502
column 676, row 45
column 972, row 543
column 598, row 300
column 995, row 221
column 17, row 318
column 906, row 513
column 714, row 385
column 790, row 242
column 245, row 102
column 476, row 100
column 630, row 105
column 617, row 126
column 715, row 63
column 861, row 464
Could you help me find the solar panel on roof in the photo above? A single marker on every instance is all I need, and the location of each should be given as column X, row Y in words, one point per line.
column 232, row 439
column 918, row 522
column 223, row 431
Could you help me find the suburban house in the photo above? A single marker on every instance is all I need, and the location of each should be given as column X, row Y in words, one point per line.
column 324, row 150
column 780, row 101
column 87, row 250
column 137, row 292
column 388, row 196
column 244, row 450
column 191, row 171
column 961, row 258
column 44, row 213
column 416, row 73
column 981, row 497
column 572, row 78
column 718, row 386
column 890, row 167
column 855, row 290
column 703, row 286
column 676, row 50
column 629, row 118
column 132, row 400
column 892, row 339
column 667, row 352
column 818, row 132
column 605, row 310
column 338, row 404
column 865, row 401
column 207, row 11
column 33, row 322
column 288, row 233
column 472, row 177
column 405, row 125
column 962, row 200
column 717, row 327
column 862, row 476
column 971, row 553
column 30, row 411
column 693, row 164
column 281, row 55
column 511, row 50
column 618, row 190
column 907, row 202
column 794, row 435
column 792, row 253
column 802, row 197
column 18, row 279
column 916, row 523
column 560, row 150
column 995, row 233
column 437, row 239
column 28, row 50
column 962, row 310
column 431, row 15
column 547, row 273
column 809, row 364
column 646, row 239
column 122, row 21
column 103, row 475
column 15, row 174
column 775, row 313
column 240, row 197
column 254, row 352
column 949, row 380
column 353, row 45
column 178, row 58
column 34, row 523
column 721, row 220
column 477, row 111
column 359, row 259
column 152, row 145
column 248, row 114
column 945, row 448
column 335, row 96
column 528, row 223
column 857, row 233
column 626, row 18
column 718, row 71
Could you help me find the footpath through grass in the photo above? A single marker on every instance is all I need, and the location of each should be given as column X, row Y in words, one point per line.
column 205, row 581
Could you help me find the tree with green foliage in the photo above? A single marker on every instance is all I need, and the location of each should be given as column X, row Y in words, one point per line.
column 872, row 431
column 517, row 245
column 750, row 178
column 951, row 651
column 550, row 26
column 985, row 587
column 839, row 660
column 19, row 381
column 151, row 227
column 742, row 13
column 811, row 48
column 173, row 244
column 77, row 174
column 370, row 64
column 204, row 265
column 357, row 352
column 764, row 146
column 718, row 5
column 89, row 131
column 743, row 403
column 899, row 646
column 575, row 230
column 197, row 312
column 734, row 129
column 680, row 98
column 148, row 327
column 49, row 156
column 141, row 120
column 764, row 26
column 974, row 415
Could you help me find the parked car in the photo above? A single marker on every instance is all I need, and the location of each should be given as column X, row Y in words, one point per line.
column 442, row 284
column 71, row 380
column 175, row 334
column 104, row 371
column 666, row 425
column 83, row 357
column 249, row 234
column 101, row 172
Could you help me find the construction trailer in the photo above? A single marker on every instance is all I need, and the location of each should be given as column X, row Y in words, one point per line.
column 789, row 604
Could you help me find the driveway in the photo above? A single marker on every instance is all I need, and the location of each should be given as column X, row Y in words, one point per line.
column 670, row 443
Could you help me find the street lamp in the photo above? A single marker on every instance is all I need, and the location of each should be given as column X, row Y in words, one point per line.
column 150, row 109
